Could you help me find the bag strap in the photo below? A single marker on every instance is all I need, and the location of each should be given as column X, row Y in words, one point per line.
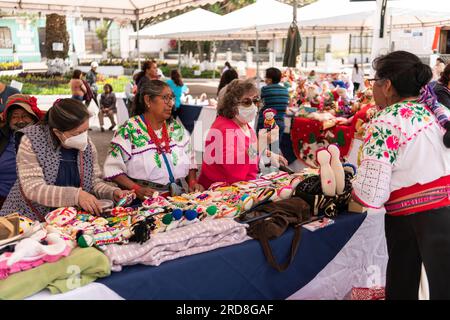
column 269, row 254
column 171, row 177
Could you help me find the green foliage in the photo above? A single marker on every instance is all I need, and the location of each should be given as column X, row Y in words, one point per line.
column 102, row 33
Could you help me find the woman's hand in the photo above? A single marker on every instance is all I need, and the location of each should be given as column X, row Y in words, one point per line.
column 196, row 187
column 119, row 194
column 89, row 203
column 277, row 160
column 143, row 193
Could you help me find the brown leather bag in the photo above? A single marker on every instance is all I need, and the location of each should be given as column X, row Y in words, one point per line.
column 275, row 219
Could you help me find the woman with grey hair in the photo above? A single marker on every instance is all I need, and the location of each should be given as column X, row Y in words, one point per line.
column 231, row 148
column 57, row 165
column 151, row 151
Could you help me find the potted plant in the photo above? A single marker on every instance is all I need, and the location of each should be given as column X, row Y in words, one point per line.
column 196, row 70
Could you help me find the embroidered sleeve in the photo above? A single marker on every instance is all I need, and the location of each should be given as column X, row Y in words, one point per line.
column 119, row 154
column 379, row 153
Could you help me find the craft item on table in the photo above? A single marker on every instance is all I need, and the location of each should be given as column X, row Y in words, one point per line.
column 337, row 168
column 328, row 180
column 189, row 217
column 285, row 192
column 204, row 197
column 100, row 222
column 348, row 167
column 170, row 221
column 274, row 176
column 373, row 293
column 269, row 119
column 61, row 216
column 247, row 202
column 155, row 201
column 126, row 200
column 106, row 204
column 85, row 217
column 226, row 211
column 216, row 185
column 121, row 211
column 227, row 189
column 211, row 212
column 343, row 102
column 9, row 226
column 265, row 195
column 295, row 182
column 141, row 230
column 261, row 182
column 318, row 224
column 85, row 240
column 25, row 224
column 244, row 185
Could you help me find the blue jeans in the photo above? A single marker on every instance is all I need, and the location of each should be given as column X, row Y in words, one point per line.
column 80, row 98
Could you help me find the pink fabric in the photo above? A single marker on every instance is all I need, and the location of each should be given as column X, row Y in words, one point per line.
column 5, row 271
column 226, row 141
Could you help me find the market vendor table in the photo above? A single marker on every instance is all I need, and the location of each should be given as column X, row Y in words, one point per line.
column 308, row 136
column 242, row 272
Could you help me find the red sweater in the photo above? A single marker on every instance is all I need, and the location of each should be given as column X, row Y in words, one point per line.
column 230, row 156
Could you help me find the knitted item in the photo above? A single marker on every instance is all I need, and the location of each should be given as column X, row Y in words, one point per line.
column 337, row 167
column 327, row 177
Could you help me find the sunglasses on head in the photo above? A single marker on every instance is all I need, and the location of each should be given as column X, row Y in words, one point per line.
column 247, row 102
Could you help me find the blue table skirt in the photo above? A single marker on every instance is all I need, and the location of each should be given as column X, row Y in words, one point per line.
column 239, row 271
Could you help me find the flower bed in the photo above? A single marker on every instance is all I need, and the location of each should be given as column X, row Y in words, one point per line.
column 10, row 66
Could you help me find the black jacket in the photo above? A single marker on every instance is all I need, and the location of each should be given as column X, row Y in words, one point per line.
column 5, row 133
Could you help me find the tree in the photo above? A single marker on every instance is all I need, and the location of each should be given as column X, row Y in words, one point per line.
column 56, row 32
column 102, row 33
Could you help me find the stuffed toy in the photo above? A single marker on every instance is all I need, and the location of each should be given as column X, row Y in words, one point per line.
column 269, row 119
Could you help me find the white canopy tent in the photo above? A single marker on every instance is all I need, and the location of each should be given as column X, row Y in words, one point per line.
column 124, row 9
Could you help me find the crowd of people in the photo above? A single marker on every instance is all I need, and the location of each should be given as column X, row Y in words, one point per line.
column 48, row 160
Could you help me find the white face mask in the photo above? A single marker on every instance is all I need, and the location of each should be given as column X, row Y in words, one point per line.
column 247, row 114
column 79, row 142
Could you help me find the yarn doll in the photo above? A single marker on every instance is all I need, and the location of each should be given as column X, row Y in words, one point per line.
column 343, row 102
column 269, row 119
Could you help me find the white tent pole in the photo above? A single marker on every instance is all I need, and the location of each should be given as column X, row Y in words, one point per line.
column 179, row 55
column 137, row 40
column 273, row 50
column 257, row 59
column 390, row 34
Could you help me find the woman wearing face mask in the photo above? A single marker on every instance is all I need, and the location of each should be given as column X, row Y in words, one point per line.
column 231, row 148
column 405, row 167
column 151, row 151
column 57, row 165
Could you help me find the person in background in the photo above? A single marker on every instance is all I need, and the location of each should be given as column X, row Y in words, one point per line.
column 130, row 92
column 178, row 87
column 274, row 96
column 226, row 67
column 20, row 112
column 405, row 167
column 5, row 92
column 438, row 68
column 226, row 78
column 149, row 71
column 77, row 86
column 442, row 87
column 91, row 79
column 357, row 77
column 57, row 165
column 107, row 106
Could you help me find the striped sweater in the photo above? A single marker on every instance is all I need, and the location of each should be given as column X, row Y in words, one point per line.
column 32, row 180
column 274, row 96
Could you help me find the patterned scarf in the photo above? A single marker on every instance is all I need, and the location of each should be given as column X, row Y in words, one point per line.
column 428, row 97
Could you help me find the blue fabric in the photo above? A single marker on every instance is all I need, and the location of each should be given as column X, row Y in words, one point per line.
column 9, row 91
column 8, row 173
column 79, row 98
column 68, row 173
column 339, row 83
column 240, row 271
column 188, row 114
column 177, row 91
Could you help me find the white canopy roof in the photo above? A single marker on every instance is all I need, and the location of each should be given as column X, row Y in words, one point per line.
column 102, row 8
column 190, row 24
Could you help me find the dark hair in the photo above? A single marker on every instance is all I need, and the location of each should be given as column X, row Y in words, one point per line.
column 15, row 107
column 440, row 59
column 151, row 88
column 146, row 65
column 407, row 73
column 76, row 74
column 66, row 114
column 227, row 64
column 445, row 76
column 273, row 74
column 235, row 90
column 176, row 77
column 109, row 86
column 226, row 78
column 355, row 65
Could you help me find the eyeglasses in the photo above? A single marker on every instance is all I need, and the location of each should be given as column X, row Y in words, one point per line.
column 167, row 98
column 247, row 102
column 373, row 80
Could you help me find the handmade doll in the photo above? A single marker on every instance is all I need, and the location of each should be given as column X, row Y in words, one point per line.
column 313, row 96
column 343, row 101
column 269, row 119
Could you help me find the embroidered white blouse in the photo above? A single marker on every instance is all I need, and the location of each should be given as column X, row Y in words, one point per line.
column 403, row 146
column 132, row 152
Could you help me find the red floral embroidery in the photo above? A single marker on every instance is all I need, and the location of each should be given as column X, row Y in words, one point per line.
column 406, row 113
column 386, row 154
column 392, row 143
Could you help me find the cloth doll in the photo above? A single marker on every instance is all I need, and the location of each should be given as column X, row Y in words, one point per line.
column 269, row 119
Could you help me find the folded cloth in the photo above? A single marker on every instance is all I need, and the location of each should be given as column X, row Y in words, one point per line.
column 81, row 267
column 188, row 240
